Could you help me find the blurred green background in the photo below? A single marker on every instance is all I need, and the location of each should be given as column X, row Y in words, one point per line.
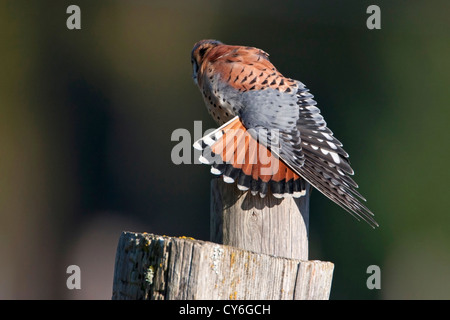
column 86, row 118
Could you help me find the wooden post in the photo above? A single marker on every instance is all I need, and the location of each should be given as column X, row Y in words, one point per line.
column 261, row 252
column 277, row 227
column 168, row 268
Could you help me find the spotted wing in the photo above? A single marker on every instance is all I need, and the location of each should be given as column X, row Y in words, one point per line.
column 326, row 165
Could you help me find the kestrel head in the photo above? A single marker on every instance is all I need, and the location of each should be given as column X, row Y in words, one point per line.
column 199, row 51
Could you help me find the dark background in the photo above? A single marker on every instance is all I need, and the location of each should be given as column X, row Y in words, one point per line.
column 86, row 118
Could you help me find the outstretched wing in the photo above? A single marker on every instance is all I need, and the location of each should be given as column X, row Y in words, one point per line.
column 326, row 165
column 307, row 145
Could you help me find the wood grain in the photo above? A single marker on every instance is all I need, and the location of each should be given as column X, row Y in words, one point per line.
column 269, row 225
column 158, row 267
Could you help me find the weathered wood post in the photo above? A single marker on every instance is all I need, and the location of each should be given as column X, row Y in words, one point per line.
column 258, row 250
column 278, row 227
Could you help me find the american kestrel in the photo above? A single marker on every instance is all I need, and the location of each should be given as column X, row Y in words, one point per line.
column 271, row 136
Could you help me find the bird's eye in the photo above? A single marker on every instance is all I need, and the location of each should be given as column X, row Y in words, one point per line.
column 202, row 52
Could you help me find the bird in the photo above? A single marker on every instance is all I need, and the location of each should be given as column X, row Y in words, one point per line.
column 271, row 137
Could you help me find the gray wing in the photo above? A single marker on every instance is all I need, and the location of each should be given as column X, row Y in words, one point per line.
column 271, row 117
column 292, row 121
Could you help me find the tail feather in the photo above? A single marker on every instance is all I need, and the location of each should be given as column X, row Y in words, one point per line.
column 233, row 153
